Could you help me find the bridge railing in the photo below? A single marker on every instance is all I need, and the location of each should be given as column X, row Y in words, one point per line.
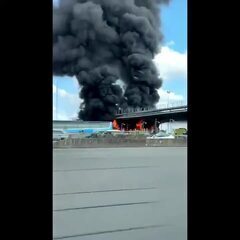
column 159, row 107
column 171, row 104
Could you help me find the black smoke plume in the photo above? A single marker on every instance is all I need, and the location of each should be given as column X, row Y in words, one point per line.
column 101, row 41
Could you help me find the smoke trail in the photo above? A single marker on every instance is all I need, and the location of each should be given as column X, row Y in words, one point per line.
column 100, row 41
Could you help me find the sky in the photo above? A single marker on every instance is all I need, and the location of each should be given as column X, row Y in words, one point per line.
column 171, row 62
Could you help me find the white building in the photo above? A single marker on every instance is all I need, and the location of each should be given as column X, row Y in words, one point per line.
column 170, row 126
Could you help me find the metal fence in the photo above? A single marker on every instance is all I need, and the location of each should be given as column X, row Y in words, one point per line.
column 160, row 106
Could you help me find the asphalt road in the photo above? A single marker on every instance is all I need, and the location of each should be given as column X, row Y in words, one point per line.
column 120, row 194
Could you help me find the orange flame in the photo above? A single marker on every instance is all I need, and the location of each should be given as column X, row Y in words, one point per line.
column 115, row 125
column 139, row 125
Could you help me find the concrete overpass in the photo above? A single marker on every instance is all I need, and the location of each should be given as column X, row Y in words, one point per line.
column 153, row 116
column 164, row 113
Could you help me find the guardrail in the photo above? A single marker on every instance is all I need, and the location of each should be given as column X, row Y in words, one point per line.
column 160, row 107
column 119, row 142
column 153, row 112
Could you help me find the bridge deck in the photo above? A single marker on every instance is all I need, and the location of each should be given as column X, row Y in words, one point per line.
column 155, row 112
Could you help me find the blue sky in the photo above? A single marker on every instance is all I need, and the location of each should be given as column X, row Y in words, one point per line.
column 171, row 63
column 174, row 20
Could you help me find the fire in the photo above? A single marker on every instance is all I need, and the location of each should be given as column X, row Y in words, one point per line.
column 139, row 125
column 115, row 125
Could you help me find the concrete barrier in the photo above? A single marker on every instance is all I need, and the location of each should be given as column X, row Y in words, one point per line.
column 126, row 141
column 104, row 142
column 166, row 142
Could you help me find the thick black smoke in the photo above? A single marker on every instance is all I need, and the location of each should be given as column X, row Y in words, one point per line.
column 101, row 41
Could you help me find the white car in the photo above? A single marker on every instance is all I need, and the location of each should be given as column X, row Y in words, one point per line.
column 162, row 135
column 59, row 134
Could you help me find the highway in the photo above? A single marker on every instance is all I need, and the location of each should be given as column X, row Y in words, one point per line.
column 120, row 193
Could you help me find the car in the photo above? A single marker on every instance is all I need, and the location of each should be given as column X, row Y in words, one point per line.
column 180, row 131
column 59, row 134
column 107, row 133
column 162, row 135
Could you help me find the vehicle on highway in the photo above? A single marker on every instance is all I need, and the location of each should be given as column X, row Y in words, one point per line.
column 59, row 134
column 104, row 133
column 162, row 135
column 180, row 131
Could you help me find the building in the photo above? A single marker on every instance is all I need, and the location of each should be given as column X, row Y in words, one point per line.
column 173, row 125
column 82, row 126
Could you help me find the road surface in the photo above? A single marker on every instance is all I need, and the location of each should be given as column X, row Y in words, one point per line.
column 120, row 194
